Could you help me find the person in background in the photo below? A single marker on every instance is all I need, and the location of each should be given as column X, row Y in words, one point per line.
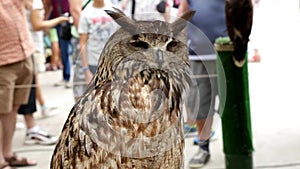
column 16, row 47
column 95, row 27
column 174, row 9
column 209, row 19
column 36, row 22
column 55, row 58
column 146, row 10
column 58, row 8
column 75, row 10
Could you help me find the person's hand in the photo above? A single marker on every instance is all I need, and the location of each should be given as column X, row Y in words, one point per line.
column 124, row 4
column 28, row 4
column 70, row 19
column 88, row 76
column 64, row 19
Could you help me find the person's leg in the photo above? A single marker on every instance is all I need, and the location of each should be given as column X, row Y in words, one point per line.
column 19, row 73
column 45, row 110
column 55, row 60
column 204, row 107
column 54, row 56
column 64, row 46
column 34, row 134
column 204, row 127
column 29, row 121
column 8, row 122
column 1, row 142
column 2, row 160
column 28, row 109
column 39, row 95
column 10, row 99
column 7, row 127
column 65, row 55
column 208, row 92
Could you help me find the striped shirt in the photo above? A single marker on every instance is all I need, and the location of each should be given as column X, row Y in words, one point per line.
column 15, row 40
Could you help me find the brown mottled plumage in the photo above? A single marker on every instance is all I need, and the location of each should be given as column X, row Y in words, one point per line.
column 130, row 115
column 239, row 16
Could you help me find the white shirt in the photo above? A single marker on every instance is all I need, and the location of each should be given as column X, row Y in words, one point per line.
column 99, row 26
column 37, row 36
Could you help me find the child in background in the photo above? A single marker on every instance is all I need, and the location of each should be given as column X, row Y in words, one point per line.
column 94, row 29
column 36, row 22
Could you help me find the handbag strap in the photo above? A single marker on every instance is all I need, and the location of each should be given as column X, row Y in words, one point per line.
column 83, row 7
column 85, row 4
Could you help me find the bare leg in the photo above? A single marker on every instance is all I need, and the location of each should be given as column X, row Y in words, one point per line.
column 1, row 142
column 8, row 123
column 7, row 128
column 39, row 94
column 55, row 58
column 203, row 155
column 29, row 121
column 204, row 127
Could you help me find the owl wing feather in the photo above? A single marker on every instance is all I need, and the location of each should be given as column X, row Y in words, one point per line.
column 125, row 123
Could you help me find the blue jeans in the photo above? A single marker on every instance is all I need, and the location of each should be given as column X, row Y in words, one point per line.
column 65, row 52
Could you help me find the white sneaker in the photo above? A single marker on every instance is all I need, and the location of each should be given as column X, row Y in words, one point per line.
column 60, row 83
column 199, row 159
column 20, row 125
column 48, row 111
column 40, row 137
column 68, row 85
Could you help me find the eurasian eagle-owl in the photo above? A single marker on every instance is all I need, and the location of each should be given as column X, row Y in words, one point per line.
column 130, row 115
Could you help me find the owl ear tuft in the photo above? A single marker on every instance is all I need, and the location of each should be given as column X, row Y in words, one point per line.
column 121, row 19
column 179, row 24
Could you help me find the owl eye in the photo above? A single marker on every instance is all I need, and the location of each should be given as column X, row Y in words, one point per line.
column 171, row 46
column 140, row 44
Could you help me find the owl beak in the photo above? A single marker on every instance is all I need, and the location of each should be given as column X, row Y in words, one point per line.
column 159, row 58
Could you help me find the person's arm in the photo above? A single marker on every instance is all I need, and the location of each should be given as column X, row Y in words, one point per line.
column 167, row 14
column 28, row 4
column 183, row 7
column 83, row 56
column 124, row 4
column 48, row 8
column 38, row 23
column 75, row 10
column 82, row 45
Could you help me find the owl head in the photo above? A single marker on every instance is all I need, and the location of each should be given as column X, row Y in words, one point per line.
column 142, row 79
column 141, row 45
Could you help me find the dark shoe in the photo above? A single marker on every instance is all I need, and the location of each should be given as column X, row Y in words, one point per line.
column 199, row 159
column 211, row 138
column 5, row 165
column 16, row 161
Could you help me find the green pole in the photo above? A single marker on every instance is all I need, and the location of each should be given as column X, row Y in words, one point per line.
column 235, row 108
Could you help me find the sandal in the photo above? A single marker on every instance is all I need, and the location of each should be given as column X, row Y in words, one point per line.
column 16, row 161
column 5, row 166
